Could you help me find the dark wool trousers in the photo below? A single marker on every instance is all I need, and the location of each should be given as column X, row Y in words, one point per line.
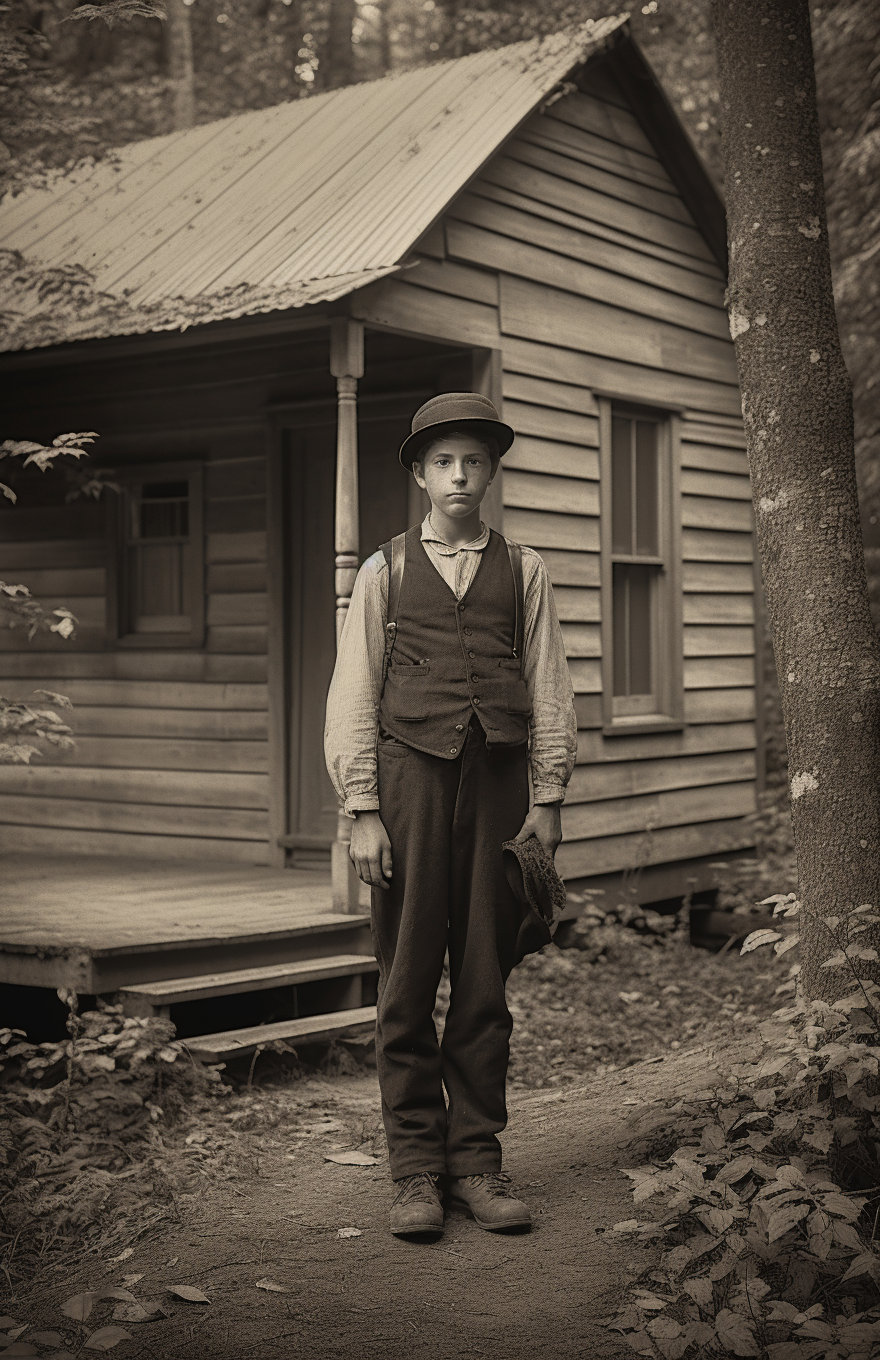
column 446, row 820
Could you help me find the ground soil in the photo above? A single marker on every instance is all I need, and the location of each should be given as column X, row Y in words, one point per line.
column 254, row 1200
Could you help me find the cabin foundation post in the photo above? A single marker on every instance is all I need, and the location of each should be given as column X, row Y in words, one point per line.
column 346, row 366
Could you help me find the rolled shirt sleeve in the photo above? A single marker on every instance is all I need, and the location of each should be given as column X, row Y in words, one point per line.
column 352, row 718
column 553, row 725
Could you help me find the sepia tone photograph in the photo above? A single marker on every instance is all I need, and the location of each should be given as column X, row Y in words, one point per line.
column 439, row 680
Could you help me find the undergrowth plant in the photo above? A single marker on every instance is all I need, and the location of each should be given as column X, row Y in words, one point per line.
column 81, row 1131
column 770, row 1182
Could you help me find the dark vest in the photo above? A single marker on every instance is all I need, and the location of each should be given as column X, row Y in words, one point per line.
column 452, row 658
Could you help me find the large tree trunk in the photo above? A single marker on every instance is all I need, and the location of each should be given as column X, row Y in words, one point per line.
column 797, row 405
column 338, row 58
column 179, row 64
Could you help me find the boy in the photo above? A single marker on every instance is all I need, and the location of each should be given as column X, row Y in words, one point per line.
column 434, row 766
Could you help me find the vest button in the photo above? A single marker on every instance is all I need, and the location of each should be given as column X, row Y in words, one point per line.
column 475, row 677
column 471, row 655
column 468, row 632
column 476, row 699
column 459, row 727
column 453, row 750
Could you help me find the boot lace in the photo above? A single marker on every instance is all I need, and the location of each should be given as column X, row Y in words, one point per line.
column 421, row 1186
column 496, row 1182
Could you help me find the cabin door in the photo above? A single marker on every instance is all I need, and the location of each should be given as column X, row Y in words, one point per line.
column 386, row 508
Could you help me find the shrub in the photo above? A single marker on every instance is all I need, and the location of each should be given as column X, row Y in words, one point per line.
column 772, row 1192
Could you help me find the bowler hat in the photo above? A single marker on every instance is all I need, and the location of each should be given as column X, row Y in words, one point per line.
column 532, row 876
column 465, row 411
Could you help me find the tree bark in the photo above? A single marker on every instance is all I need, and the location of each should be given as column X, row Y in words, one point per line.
column 797, row 407
column 179, row 64
column 339, row 50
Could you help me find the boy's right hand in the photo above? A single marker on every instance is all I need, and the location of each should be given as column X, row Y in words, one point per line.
column 370, row 850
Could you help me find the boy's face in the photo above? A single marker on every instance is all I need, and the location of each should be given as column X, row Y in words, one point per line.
column 455, row 472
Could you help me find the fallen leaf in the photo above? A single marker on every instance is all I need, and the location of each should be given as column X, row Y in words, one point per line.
column 188, row 1292
column 351, row 1158
column 349, row 1232
column 123, row 1256
column 15, row 1332
column 135, row 1312
column 105, row 1338
column 173, row 1262
column 271, row 1287
column 78, row 1307
column 7, row 1322
column 130, row 1280
column 114, row 1292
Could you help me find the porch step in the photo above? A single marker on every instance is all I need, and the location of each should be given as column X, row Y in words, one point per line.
column 312, row 1029
column 170, row 991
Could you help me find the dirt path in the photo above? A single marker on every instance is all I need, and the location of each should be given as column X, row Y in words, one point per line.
column 471, row 1293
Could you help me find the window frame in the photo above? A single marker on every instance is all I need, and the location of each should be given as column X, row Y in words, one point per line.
column 667, row 711
column 118, row 617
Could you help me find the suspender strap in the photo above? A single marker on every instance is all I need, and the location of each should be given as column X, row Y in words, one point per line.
column 515, row 553
column 395, row 555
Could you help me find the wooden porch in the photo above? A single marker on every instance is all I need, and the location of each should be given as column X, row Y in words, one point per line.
column 159, row 936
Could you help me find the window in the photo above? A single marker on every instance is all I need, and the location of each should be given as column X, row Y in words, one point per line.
column 160, row 590
column 641, row 591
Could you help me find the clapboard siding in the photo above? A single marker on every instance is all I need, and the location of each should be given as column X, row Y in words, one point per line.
column 545, row 422
column 180, row 788
column 677, row 807
column 198, row 724
column 553, row 396
column 143, row 818
column 578, row 858
column 535, row 311
column 543, row 455
column 626, row 779
column 599, row 232
column 697, row 739
column 143, row 694
column 169, row 744
column 53, row 840
column 628, row 380
column 561, row 270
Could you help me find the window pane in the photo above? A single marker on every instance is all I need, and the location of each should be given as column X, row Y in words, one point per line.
column 157, row 578
column 640, row 629
column 631, row 628
column 164, row 510
column 621, row 485
column 620, row 627
column 646, row 489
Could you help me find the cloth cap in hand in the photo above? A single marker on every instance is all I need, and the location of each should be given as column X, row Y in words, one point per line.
column 534, row 881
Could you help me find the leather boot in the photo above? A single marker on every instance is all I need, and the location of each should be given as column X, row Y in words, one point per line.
column 417, row 1207
column 488, row 1200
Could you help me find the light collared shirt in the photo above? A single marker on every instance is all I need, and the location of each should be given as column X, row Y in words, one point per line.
column 351, row 730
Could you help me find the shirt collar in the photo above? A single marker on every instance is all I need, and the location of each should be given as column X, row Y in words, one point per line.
column 430, row 536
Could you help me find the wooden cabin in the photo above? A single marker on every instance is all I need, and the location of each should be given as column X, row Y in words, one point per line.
column 258, row 306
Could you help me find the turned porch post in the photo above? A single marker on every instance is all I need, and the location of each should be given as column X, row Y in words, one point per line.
column 346, row 365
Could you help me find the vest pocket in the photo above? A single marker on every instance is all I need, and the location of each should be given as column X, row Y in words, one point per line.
column 516, row 691
column 404, row 697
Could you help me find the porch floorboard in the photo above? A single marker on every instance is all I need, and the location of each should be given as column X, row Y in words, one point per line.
column 101, row 905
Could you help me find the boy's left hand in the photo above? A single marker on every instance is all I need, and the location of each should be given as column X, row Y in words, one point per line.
column 545, row 822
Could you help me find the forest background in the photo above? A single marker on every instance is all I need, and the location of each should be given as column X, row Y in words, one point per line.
column 74, row 90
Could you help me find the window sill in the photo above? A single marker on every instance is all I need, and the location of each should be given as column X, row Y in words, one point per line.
column 637, row 726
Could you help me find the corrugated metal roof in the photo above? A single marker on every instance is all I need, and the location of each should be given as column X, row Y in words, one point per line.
column 295, row 204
